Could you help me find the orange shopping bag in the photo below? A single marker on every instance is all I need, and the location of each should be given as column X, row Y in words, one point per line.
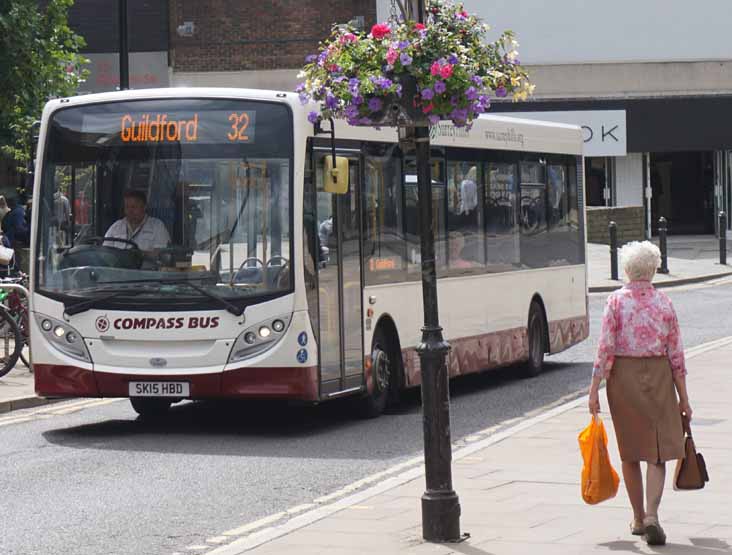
column 599, row 479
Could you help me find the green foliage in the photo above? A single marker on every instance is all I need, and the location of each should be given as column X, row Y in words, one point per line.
column 39, row 60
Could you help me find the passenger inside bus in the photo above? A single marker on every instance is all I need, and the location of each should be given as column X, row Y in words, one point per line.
column 137, row 228
column 456, row 243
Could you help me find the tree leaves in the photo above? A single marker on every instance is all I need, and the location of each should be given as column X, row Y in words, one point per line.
column 39, row 60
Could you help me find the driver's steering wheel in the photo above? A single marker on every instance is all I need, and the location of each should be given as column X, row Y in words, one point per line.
column 99, row 241
column 250, row 272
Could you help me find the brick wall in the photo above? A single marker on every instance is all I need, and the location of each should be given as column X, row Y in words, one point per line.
column 629, row 220
column 236, row 35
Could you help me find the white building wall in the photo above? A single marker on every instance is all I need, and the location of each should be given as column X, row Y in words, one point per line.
column 629, row 180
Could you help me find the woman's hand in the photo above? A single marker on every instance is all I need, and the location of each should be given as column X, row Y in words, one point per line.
column 685, row 408
column 594, row 402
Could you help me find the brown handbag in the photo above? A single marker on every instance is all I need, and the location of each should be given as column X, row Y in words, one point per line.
column 691, row 471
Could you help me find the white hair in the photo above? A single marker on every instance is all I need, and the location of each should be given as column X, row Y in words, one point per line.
column 640, row 260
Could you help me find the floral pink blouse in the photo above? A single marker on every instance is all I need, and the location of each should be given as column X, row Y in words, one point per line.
column 639, row 321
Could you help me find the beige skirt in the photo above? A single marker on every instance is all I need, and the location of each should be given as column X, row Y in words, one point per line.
column 645, row 410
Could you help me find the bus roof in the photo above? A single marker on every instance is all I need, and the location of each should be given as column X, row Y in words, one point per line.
column 501, row 132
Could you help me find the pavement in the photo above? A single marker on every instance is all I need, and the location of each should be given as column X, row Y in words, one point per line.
column 519, row 492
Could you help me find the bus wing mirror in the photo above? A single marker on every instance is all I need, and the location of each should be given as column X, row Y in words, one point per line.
column 336, row 177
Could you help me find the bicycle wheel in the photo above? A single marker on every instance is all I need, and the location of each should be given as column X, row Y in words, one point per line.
column 11, row 342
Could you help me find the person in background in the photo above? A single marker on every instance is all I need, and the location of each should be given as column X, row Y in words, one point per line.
column 14, row 225
column 3, row 207
column 641, row 356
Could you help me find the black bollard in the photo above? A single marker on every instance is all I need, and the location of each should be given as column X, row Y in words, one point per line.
column 723, row 238
column 613, row 231
column 662, row 245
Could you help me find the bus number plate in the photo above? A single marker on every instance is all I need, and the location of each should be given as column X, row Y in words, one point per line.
column 160, row 389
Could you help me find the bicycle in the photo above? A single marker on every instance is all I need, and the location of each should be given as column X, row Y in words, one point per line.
column 13, row 324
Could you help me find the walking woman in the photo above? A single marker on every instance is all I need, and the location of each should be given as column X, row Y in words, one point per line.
column 641, row 357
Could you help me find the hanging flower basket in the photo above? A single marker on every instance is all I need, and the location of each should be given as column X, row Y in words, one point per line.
column 404, row 73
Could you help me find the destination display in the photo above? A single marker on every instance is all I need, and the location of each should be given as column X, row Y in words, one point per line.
column 187, row 127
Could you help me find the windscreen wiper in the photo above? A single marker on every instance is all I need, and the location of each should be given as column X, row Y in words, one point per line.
column 230, row 307
column 82, row 306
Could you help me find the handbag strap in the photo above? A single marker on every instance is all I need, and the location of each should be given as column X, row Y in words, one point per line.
column 686, row 424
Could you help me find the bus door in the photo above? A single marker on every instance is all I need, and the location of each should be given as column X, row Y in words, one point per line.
column 339, row 281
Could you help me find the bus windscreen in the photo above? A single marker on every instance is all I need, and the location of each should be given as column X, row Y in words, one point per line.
column 139, row 197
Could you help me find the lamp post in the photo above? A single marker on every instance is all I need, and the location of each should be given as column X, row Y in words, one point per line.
column 440, row 503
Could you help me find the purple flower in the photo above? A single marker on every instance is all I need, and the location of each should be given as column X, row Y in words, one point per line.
column 405, row 59
column 364, row 121
column 384, row 83
column 322, row 57
column 300, row 87
column 313, row 117
column 501, row 91
column 433, row 119
column 331, row 102
column 375, row 104
column 427, row 94
column 403, row 44
column 353, row 85
column 471, row 93
column 399, row 91
column 310, row 58
column 477, row 80
column 358, row 99
column 304, row 98
column 339, row 79
column 351, row 111
column 453, row 59
column 440, row 87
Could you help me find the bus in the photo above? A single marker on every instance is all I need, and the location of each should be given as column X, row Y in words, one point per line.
column 188, row 244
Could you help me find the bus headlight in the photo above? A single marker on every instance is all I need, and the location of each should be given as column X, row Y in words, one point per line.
column 258, row 338
column 63, row 337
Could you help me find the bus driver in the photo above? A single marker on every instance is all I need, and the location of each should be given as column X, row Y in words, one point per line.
column 147, row 232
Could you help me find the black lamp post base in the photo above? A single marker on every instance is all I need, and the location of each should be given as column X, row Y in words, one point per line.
column 440, row 516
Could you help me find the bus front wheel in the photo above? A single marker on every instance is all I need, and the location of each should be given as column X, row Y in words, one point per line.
column 151, row 407
column 383, row 377
column 537, row 334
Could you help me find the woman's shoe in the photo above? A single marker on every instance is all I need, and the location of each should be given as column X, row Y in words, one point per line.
column 637, row 528
column 654, row 534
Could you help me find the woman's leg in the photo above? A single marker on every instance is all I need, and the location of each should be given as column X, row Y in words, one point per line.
column 633, row 479
column 655, row 480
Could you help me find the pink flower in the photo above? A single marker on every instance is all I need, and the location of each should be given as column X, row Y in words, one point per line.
column 446, row 71
column 435, row 68
column 419, row 26
column 427, row 109
column 391, row 56
column 380, row 30
column 347, row 37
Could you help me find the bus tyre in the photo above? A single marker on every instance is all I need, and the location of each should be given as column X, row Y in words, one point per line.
column 382, row 373
column 537, row 333
column 151, row 407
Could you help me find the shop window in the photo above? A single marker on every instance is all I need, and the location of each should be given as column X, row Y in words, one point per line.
column 501, row 222
column 598, row 181
column 464, row 216
column 384, row 246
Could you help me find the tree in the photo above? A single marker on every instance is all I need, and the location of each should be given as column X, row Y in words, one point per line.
column 39, row 60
